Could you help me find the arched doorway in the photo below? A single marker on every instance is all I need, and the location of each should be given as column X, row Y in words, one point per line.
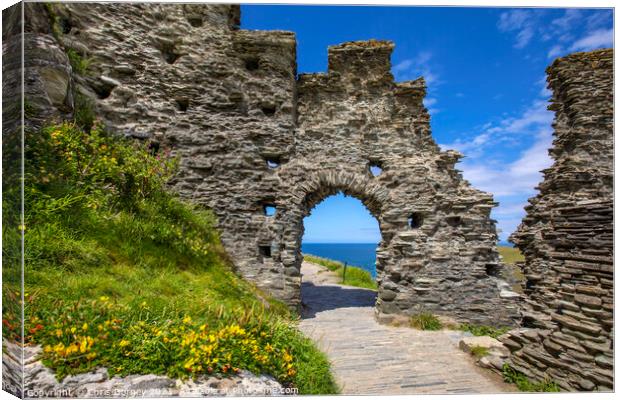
column 339, row 230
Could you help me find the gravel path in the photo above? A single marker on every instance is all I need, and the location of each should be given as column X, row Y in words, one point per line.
column 369, row 358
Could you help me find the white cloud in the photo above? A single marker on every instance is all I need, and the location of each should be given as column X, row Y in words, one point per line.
column 513, row 20
column 536, row 114
column 429, row 101
column 598, row 19
column 594, row 40
column 524, row 37
column 567, row 21
column 528, row 25
column 545, row 93
column 402, row 66
column 518, row 177
column 413, row 68
column 520, row 21
column 555, row 51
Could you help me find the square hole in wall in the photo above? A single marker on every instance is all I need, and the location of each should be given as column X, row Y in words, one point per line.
column 415, row 220
column 264, row 251
column 269, row 210
column 268, row 109
column 252, row 64
column 375, row 168
column 273, row 162
column 182, row 103
column 453, row 220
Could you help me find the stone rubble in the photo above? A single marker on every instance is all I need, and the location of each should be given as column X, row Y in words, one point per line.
column 497, row 356
column 40, row 381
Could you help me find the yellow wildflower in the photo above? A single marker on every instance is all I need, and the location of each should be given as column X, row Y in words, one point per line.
column 85, row 326
column 123, row 343
column 58, row 332
column 73, row 329
column 189, row 363
column 187, row 319
column 73, row 348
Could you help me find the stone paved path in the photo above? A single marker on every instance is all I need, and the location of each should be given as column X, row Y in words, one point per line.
column 369, row 358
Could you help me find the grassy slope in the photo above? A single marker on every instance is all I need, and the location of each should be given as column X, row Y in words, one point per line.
column 510, row 255
column 356, row 276
column 141, row 285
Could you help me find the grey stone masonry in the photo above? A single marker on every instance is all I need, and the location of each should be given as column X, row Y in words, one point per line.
column 567, row 236
column 251, row 136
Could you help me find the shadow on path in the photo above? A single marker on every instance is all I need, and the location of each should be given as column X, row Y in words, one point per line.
column 329, row 297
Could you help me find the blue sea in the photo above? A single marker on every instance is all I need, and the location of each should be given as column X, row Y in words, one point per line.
column 358, row 254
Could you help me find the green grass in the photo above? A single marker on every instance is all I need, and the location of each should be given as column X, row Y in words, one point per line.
column 510, row 255
column 425, row 322
column 124, row 275
column 479, row 351
column 483, row 330
column 524, row 384
column 78, row 62
column 355, row 276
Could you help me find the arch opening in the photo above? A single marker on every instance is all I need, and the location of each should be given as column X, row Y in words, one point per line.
column 341, row 228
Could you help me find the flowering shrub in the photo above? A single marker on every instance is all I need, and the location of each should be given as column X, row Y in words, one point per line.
column 104, row 167
column 78, row 337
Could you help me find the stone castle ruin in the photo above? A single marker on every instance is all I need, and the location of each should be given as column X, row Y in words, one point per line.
column 253, row 136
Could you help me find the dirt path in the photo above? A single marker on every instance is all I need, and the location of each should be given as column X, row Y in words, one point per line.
column 369, row 358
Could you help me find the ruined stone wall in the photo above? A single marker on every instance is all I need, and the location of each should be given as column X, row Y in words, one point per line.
column 567, row 236
column 438, row 244
column 251, row 135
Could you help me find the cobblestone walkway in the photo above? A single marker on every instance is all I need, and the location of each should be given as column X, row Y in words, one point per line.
column 369, row 358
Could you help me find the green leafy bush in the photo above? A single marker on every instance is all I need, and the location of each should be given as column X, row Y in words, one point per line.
column 524, row 384
column 425, row 321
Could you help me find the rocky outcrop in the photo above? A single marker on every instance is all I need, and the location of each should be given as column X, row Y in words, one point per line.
column 567, row 236
column 252, row 137
column 40, row 381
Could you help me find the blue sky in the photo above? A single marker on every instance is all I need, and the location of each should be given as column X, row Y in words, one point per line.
column 485, row 72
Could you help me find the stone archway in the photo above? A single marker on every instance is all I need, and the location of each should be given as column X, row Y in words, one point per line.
column 438, row 250
column 324, row 184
